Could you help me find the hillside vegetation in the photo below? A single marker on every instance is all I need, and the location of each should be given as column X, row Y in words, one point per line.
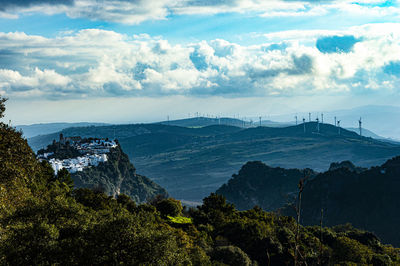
column 44, row 220
column 257, row 184
column 366, row 198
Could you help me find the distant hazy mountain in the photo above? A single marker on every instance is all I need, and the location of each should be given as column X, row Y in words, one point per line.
column 48, row 128
column 365, row 132
column 192, row 162
column 382, row 120
column 207, row 121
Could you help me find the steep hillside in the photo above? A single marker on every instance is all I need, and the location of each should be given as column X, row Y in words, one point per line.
column 270, row 188
column 368, row 200
column 116, row 175
column 257, row 184
column 192, row 162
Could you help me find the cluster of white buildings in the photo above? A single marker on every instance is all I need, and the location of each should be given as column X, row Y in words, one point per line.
column 74, row 165
column 93, row 152
column 97, row 146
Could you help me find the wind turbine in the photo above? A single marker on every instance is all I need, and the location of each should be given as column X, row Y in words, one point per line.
column 304, row 124
column 260, row 120
column 317, row 124
column 309, row 117
column 338, row 124
column 359, row 125
column 322, row 118
column 335, row 121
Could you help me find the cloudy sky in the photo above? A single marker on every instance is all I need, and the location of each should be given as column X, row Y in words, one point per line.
column 141, row 60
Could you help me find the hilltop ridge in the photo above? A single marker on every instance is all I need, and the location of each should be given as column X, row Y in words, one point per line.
column 366, row 198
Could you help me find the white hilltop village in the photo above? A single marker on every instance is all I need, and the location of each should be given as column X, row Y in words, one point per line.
column 94, row 151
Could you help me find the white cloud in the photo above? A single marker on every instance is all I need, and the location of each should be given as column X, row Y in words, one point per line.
column 102, row 63
column 137, row 11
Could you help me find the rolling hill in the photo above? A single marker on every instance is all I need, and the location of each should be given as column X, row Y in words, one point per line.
column 192, row 162
column 30, row 131
column 207, row 121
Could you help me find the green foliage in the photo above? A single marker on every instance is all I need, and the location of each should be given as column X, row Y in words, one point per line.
column 169, row 207
column 126, row 202
column 2, row 106
column 231, row 255
column 61, row 151
column 64, row 177
column 347, row 249
column 180, row 220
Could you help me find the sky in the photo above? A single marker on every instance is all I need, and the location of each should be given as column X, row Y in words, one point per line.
column 124, row 61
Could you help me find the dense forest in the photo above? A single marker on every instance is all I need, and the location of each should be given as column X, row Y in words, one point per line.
column 44, row 220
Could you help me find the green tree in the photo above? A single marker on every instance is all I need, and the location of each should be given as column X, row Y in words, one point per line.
column 2, row 106
column 64, row 177
column 169, row 207
column 231, row 255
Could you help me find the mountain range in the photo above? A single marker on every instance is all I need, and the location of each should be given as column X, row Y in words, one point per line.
column 193, row 162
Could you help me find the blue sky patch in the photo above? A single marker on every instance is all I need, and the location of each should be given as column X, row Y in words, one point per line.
column 336, row 44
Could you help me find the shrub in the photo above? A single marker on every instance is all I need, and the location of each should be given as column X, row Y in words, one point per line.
column 231, row 255
column 171, row 207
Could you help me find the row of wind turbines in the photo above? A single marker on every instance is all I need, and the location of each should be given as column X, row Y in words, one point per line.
column 337, row 123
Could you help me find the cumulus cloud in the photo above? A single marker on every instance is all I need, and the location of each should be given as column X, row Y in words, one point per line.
column 137, row 11
column 99, row 63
